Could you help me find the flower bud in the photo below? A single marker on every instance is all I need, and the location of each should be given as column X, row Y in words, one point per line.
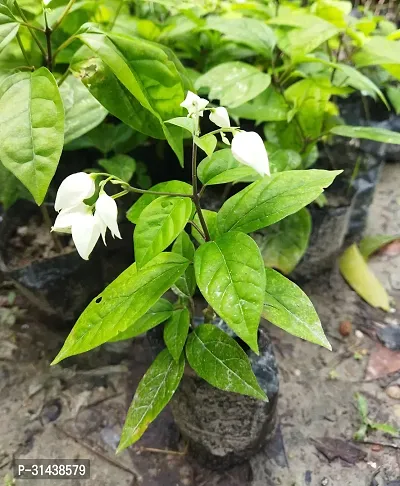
column 249, row 149
column 220, row 117
column 74, row 190
column 107, row 212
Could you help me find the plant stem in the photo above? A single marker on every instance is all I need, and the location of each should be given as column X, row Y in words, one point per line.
column 24, row 53
column 47, row 221
column 48, row 33
column 117, row 12
column 156, row 193
column 62, row 46
column 31, row 30
column 63, row 15
column 196, row 198
column 63, row 77
column 198, row 229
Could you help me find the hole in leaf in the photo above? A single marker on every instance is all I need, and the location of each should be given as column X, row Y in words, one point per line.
column 99, row 299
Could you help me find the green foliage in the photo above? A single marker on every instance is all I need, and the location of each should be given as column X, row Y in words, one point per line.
column 31, row 128
column 120, row 165
column 218, row 359
column 367, row 423
column 370, row 244
column 230, row 275
column 155, row 390
column 160, row 312
column 271, row 199
column 124, row 301
column 158, row 226
column 370, row 133
column 82, row 111
column 175, row 332
column 136, row 210
column 283, row 244
column 186, row 284
column 288, row 307
column 234, row 83
column 221, row 168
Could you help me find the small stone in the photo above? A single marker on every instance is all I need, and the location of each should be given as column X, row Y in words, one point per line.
column 376, row 448
column 396, row 410
column 325, row 482
column 393, row 392
column 345, row 328
column 359, row 334
column 390, row 337
column 372, row 464
column 22, row 230
column 297, row 372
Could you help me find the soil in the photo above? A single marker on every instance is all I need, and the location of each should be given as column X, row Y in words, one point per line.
column 34, row 242
column 77, row 409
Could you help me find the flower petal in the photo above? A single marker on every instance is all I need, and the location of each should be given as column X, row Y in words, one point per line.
column 249, row 149
column 220, row 117
column 66, row 217
column 107, row 211
column 73, row 190
column 85, row 233
column 194, row 104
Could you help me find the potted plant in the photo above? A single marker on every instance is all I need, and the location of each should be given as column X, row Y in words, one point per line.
column 211, row 251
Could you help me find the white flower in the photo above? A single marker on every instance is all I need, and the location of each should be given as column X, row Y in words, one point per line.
column 83, row 225
column 194, row 104
column 249, row 149
column 107, row 214
column 73, row 190
column 220, row 117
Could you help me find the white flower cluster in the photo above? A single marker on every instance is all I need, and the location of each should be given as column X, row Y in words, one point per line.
column 247, row 147
column 78, row 218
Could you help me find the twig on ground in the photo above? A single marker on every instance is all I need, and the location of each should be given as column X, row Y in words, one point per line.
column 165, row 451
column 103, row 456
column 383, row 444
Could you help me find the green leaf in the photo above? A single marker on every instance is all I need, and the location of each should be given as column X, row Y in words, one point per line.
column 178, row 187
column 361, row 432
column 155, row 390
column 370, row 244
column 393, row 93
column 221, row 168
column 370, row 133
column 9, row 27
column 122, row 303
column 270, row 105
column 386, row 428
column 357, row 274
column 122, row 166
column 183, row 122
column 158, row 226
column 289, row 308
column 207, row 143
column 219, row 359
column 11, row 188
column 186, row 283
column 378, row 51
column 299, row 42
column 210, row 218
column 105, row 86
column 281, row 160
column 309, row 98
column 357, row 80
column 230, row 274
column 251, row 32
column 160, row 312
column 82, row 111
column 31, row 128
column 362, row 405
column 271, row 199
column 234, row 83
column 175, row 332
column 283, row 244
column 146, row 71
